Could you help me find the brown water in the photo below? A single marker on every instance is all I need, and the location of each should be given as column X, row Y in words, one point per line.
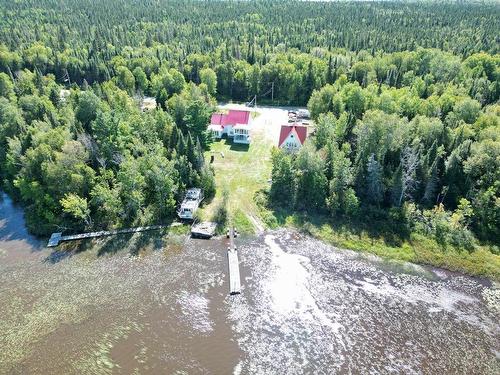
column 150, row 304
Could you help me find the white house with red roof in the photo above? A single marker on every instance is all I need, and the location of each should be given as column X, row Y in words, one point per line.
column 234, row 124
column 292, row 137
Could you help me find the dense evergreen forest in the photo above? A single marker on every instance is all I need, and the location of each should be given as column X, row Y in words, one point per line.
column 248, row 44
column 405, row 96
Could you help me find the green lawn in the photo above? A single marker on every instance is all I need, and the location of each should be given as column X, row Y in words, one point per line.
column 242, row 171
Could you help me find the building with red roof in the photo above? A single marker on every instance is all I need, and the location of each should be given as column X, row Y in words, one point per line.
column 292, row 137
column 233, row 124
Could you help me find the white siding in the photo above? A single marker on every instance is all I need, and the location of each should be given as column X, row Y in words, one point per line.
column 291, row 142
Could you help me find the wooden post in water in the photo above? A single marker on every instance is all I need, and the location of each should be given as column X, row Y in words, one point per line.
column 233, row 264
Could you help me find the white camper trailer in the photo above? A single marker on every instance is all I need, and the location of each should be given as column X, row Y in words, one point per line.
column 190, row 204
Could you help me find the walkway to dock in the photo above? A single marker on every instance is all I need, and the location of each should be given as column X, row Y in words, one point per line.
column 234, row 267
column 56, row 238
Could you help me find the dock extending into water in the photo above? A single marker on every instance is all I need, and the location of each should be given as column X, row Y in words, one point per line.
column 57, row 238
column 233, row 264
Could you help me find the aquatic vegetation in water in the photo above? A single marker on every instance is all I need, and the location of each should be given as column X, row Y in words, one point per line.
column 47, row 297
column 99, row 360
column 492, row 298
column 308, row 306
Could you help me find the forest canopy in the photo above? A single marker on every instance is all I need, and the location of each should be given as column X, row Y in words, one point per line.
column 249, row 44
column 404, row 95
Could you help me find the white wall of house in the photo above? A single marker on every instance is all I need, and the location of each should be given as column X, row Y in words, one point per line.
column 291, row 142
column 228, row 129
column 241, row 134
column 216, row 134
column 216, row 131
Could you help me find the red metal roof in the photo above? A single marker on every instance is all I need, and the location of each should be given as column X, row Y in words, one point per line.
column 300, row 130
column 216, row 119
column 233, row 117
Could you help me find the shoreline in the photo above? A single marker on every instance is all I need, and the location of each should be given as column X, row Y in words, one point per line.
column 478, row 263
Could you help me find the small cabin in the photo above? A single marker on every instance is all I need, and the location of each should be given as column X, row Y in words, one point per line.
column 292, row 137
column 234, row 124
column 194, row 194
column 187, row 210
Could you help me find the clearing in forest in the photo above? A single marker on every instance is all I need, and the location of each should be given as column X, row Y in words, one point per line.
column 244, row 169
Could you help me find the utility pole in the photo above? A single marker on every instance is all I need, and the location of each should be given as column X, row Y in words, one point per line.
column 255, row 101
column 272, row 91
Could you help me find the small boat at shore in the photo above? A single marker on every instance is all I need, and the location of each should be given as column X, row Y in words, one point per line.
column 204, row 230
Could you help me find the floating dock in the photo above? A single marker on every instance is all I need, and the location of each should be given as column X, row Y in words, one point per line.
column 205, row 230
column 234, row 266
column 56, row 238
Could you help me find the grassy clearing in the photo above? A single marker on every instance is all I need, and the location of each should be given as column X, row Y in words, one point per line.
column 242, row 172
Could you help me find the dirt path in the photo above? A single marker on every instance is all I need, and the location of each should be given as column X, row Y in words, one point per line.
column 258, row 224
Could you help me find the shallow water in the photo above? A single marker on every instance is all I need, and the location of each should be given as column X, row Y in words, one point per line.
column 154, row 304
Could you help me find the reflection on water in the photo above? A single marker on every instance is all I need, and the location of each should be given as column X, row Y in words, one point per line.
column 159, row 304
column 312, row 308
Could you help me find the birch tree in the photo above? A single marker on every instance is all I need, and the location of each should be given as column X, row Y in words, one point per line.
column 374, row 186
column 409, row 164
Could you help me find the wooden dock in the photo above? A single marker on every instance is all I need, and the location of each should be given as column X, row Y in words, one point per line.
column 56, row 238
column 234, row 267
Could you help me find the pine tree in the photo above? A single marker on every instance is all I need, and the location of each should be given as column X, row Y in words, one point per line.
column 432, row 184
column 342, row 199
column 309, row 81
column 329, row 73
column 199, row 157
column 207, row 181
column 284, row 184
column 190, row 150
column 174, row 138
column 181, row 144
column 162, row 97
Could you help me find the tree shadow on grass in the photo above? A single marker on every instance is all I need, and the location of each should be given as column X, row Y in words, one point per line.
column 115, row 244
column 68, row 249
column 239, row 147
column 152, row 240
column 131, row 242
column 57, row 255
column 233, row 146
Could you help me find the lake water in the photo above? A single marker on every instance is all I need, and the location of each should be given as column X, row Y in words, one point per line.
column 153, row 303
